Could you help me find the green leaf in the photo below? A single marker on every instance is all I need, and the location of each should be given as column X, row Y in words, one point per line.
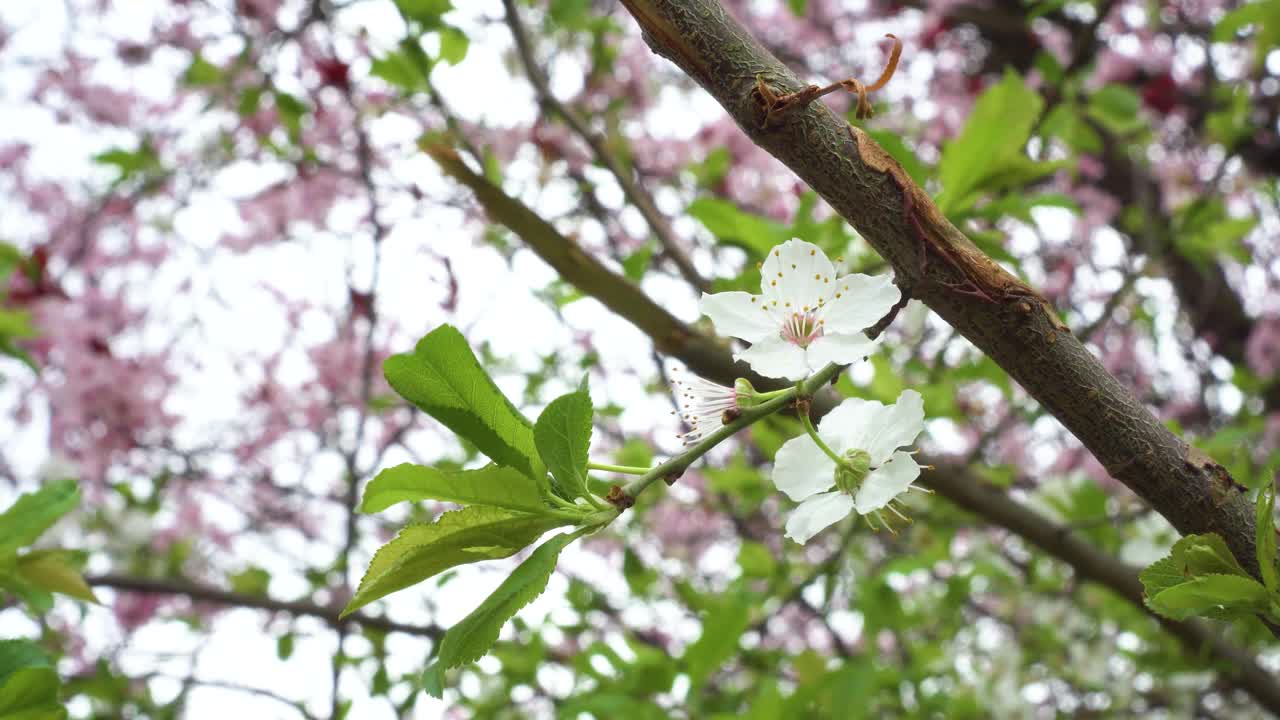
column 427, row 12
column 639, row 577
column 1266, row 538
column 721, row 630
column 564, row 12
column 444, row 379
column 250, row 101
column 1067, row 121
column 1192, row 557
column 494, row 485
column 1264, row 16
column 1017, row 172
column 1209, row 593
column 993, row 137
column 433, row 680
column 1229, row 124
column 56, row 571
column 28, row 683
column 1204, row 232
column 712, row 168
column 735, row 227
column 16, row 324
column 756, row 560
column 1117, row 108
column 251, row 581
column 1050, row 69
column 31, row 694
column 202, row 73
column 8, row 348
column 399, row 70
column 563, row 437
column 767, row 703
column 11, row 259
column 1160, row 576
column 33, row 513
column 471, row 638
column 291, row 109
column 635, row 264
column 453, row 45
column 894, row 145
column 130, row 163
column 18, row 654
column 459, row 537
column 1206, row 554
column 284, row 646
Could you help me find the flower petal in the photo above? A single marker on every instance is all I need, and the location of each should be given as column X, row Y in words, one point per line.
column 841, row 349
column 848, row 425
column 869, row 425
column 796, row 272
column 861, row 301
column 815, row 514
column 886, row 483
column 895, row 426
column 801, row 469
column 739, row 314
column 776, row 358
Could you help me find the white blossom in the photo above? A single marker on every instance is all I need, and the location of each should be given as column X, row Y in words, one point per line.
column 703, row 404
column 804, row 316
column 865, row 435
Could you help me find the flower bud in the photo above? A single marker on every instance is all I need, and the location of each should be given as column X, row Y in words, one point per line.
column 852, row 470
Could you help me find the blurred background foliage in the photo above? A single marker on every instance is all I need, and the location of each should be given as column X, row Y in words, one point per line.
column 218, row 222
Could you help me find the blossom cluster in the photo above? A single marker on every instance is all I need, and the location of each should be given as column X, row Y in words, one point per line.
column 807, row 316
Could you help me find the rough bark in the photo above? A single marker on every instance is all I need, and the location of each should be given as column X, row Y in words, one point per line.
column 997, row 312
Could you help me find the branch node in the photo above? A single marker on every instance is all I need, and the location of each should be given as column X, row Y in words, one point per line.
column 774, row 105
column 619, row 498
column 883, row 323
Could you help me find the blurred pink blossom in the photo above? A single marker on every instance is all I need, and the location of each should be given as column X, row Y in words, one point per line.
column 1262, row 350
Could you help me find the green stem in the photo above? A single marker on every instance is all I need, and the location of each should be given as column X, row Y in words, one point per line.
column 817, row 440
column 596, row 502
column 772, row 394
column 780, row 398
column 560, row 501
column 624, row 469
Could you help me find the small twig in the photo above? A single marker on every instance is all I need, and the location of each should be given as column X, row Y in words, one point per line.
column 883, row 323
column 632, row 188
column 625, row 496
column 775, row 105
column 206, row 593
column 1110, row 519
column 1112, row 303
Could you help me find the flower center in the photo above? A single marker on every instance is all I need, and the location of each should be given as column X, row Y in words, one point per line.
column 802, row 328
column 852, row 470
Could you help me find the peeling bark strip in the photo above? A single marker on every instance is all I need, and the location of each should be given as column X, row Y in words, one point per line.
column 996, row 311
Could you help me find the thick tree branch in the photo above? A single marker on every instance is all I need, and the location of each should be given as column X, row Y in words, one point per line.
column 994, row 310
column 210, row 594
